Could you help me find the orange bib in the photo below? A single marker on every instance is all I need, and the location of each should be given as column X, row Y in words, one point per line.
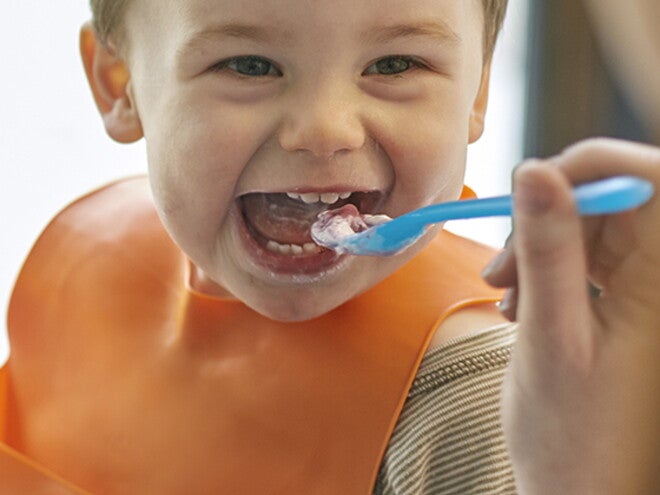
column 310, row 406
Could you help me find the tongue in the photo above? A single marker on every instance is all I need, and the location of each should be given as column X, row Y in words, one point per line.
column 280, row 218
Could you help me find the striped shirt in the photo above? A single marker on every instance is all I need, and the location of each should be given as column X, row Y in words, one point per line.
column 449, row 437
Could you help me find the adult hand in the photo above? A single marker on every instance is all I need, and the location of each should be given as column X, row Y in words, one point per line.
column 581, row 401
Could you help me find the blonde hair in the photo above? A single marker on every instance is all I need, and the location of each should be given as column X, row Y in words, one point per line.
column 107, row 18
column 494, row 12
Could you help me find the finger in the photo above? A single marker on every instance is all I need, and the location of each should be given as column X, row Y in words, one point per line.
column 609, row 241
column 508, row 306
column 502, row 271
column 598, row 158
column 626, row 252
column 553, row 298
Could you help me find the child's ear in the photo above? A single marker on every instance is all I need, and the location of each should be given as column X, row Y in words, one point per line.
column 478, row 113
column 109, row 80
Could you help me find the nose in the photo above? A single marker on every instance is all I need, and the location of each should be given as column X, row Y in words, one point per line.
column 324, row 121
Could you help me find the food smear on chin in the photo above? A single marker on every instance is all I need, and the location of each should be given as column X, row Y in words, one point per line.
column 333, row 226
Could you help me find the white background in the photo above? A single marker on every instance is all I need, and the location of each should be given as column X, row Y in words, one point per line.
column 53, row 147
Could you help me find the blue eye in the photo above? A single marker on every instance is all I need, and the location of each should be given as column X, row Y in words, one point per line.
column 390, row 66
column 250, row 66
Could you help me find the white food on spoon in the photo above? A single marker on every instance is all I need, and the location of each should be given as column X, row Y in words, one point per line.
column 333, row 226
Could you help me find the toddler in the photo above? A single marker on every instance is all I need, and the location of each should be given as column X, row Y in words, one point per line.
column 185, row 334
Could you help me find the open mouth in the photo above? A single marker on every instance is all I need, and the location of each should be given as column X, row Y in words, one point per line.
column 280, row 222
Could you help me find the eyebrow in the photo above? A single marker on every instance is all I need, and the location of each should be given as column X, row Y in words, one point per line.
column 438, row 30
column 260, row 34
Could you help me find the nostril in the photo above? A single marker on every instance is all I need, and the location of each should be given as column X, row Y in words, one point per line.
column 323, row 135
column 321, row 144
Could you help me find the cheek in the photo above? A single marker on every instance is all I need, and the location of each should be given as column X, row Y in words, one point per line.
column 435, row 174
column 200, row 152
column 196, row 156
column 427, row 148
column 191, row 182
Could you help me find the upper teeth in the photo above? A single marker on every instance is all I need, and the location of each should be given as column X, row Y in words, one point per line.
column 311, row 197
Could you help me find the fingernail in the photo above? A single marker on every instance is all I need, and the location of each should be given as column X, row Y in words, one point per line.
column 505, row 304
column 494, row 265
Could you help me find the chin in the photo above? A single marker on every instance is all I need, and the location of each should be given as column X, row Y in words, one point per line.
column 294, row 309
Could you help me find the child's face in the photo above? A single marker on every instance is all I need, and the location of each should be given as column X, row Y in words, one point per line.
column 242, row 102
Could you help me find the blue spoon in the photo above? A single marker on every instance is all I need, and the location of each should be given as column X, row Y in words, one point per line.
column 610, row 195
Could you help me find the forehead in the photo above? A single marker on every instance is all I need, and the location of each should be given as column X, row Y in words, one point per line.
column 178, row 22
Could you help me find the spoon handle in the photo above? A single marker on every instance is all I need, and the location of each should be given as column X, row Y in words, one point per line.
column 595, row 198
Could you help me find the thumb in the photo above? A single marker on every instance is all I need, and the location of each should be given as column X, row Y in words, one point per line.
column 553, row 298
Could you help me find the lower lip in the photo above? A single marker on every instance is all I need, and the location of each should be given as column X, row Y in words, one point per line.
column 313, row 265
